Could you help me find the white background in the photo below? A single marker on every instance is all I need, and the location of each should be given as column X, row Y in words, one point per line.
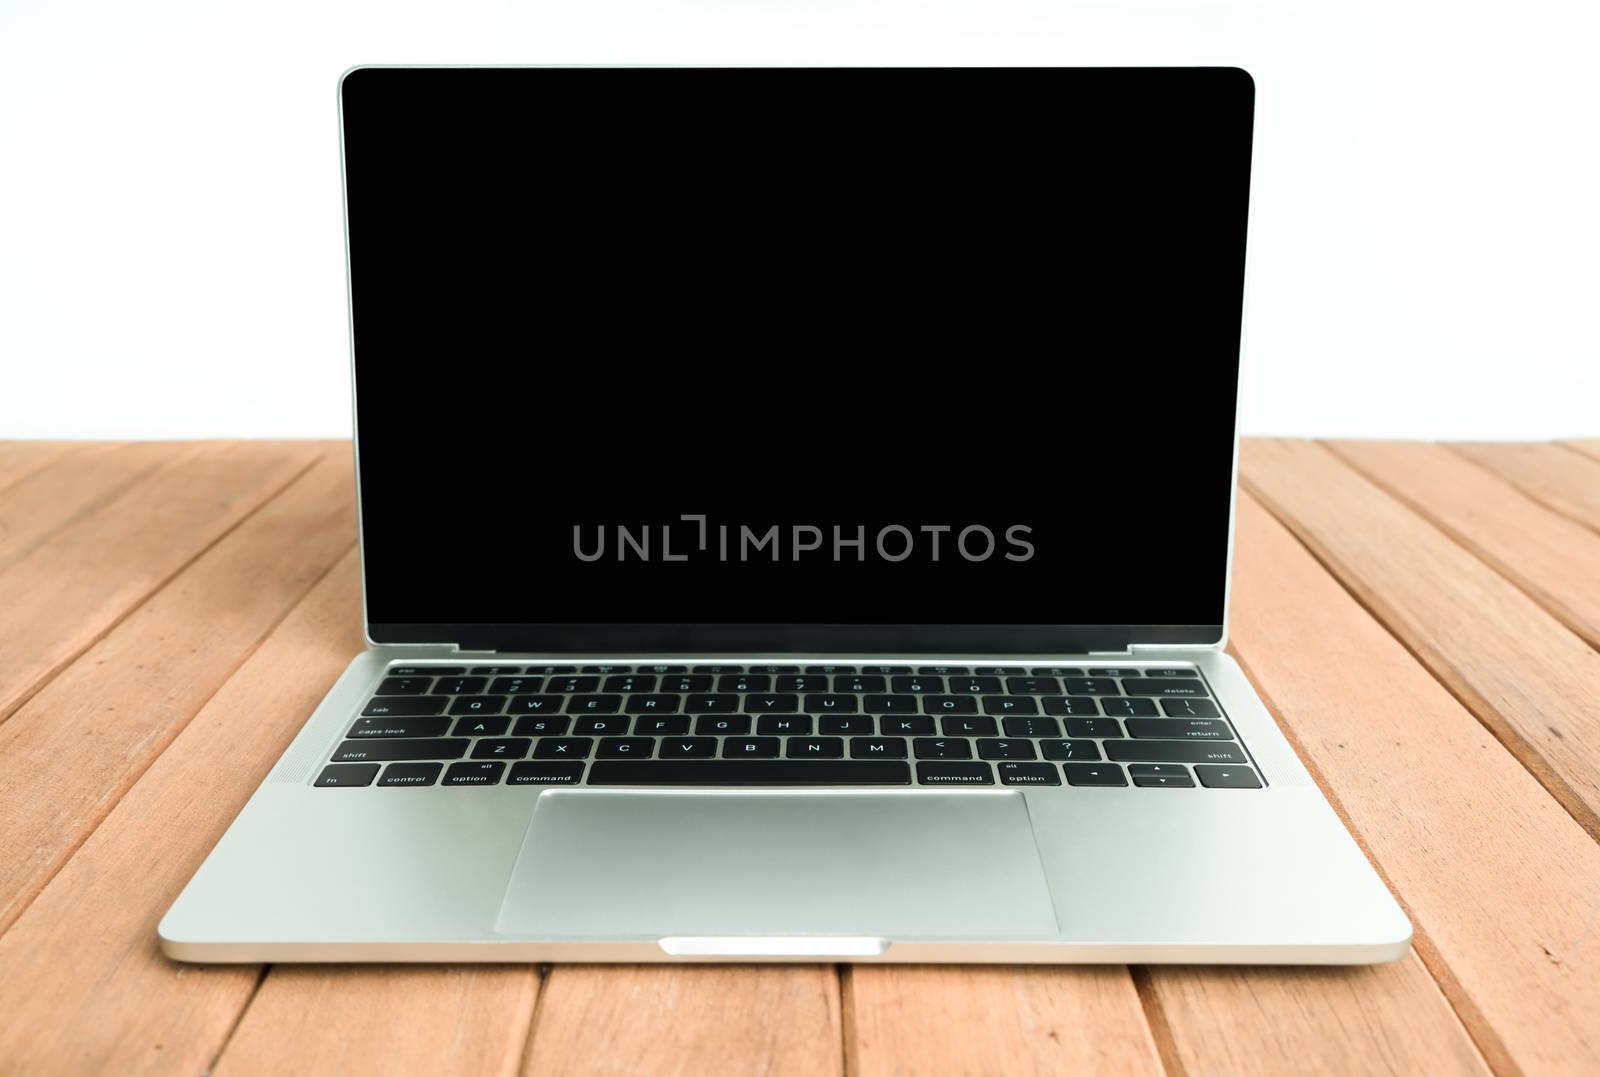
column 1424, row 254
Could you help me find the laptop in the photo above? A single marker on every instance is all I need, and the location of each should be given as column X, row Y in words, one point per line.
column 795, row 512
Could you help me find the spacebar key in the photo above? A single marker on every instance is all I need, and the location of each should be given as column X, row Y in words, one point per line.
column 748, row 772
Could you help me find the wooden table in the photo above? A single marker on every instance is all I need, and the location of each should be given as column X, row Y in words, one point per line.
column 1422, row 619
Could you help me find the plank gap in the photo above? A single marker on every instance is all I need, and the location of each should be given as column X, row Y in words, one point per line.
column 238, row 1019
column 1156, row 1017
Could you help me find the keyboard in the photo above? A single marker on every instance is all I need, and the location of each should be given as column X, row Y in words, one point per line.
column 790, row 725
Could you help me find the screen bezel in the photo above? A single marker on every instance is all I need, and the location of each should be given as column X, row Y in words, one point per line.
column 822, row 639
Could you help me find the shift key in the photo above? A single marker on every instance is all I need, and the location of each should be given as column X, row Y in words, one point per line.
column 1171, row 751
column 381, row 751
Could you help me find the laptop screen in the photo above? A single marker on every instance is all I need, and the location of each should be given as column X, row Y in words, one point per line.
column 773, row 359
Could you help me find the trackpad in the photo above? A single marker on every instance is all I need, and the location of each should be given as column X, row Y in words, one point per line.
column 906, row 865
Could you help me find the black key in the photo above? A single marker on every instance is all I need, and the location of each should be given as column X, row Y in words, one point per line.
column 1172, row 672
column 727, row 725
column 848, row 725
column 404, row 706
column 1093, row 774
column 814, row 682
column 1090, row 686
column 838, row 704
column 750, row 748
column 411, row 774
column 894, row 725
column 815, row 747
column 602, row 724
column 1227, row 777
column 381, row 751
column 349, row 775
column 535, row 773
column 1173, row 751
column 663, row 670
column 478, row 705
column 955, row 774
column 890, row 704
column 562, row 747
column 654, row 704
column 750, row 772
column 968, row 727
column 774, row 669
column 1032, row 686
column 459, row 686
column 551, row 671
column 1006, row 749
column 569, row 685
column 474, row 774
column 1127, row 707
column 942, row 748
column 542, row 725
column 535, row 704
column 1190, row 708
column 1029, row 774
column 916, row 685
column 1010, row 705
column 606, row 669
column 594, row 704
column 688, row 747
column 403, row 686
column 685, row 684
column 662, row 725
column 998, row 671
column 426, row 671
column 625, row 748
column 1118, row 672
column 1056, row 671
column 1032, row 727
column 1157, row 770
column 711, row 704
column 719, row 669
column 399, row 727
column 764, row 703
column 745, row 682
column 490, row 726
column 950, row 704
column 501, row 748
column 1155, row 686
column 1179, row 729
column 630, row 682
column 877, row 748
column 943, row 671
column 974, row 685
column 1079, row 751
column 515, row 686
column 830, row 670
column 783, row 725
column 495, row 671
column 886, row 670
column 1074, row 707
column 859, row 683
column 1093, row 727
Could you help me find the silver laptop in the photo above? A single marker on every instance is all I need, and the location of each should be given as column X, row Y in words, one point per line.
column 795, row 521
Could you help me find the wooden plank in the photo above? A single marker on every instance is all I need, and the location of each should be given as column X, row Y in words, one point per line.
column 1379, row 1019
column 1588, row 446
column 1502, row 885
column 19, row 459
column 1559, row 476
column 687, row 1019
column 389, row 1020
column 85, row 989
column 1525, row 675
column 70, row 488
column 72, row 750
column 995, row 1019
column 1552, row 558
column 64, row 595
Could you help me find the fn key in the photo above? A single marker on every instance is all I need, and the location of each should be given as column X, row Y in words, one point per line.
column 347, row 774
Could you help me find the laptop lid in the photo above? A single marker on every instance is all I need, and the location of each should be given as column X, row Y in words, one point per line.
column 824, row 360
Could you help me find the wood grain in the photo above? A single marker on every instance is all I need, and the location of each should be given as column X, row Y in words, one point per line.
column 66, row 594
column 1588, row 446
column 377, row 1019
column 1559, row 476
column 84, row 988
column 19, row 459
column 1502, row 885
column 995, row 1019
column 1525, row 675
column 688, row 1020
column 73, row 749
column 1547, row 555
column 71, row 487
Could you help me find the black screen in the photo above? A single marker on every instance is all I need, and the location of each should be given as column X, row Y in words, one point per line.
column 824, row 357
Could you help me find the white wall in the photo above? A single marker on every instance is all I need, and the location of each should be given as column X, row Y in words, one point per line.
column 1425, row 251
